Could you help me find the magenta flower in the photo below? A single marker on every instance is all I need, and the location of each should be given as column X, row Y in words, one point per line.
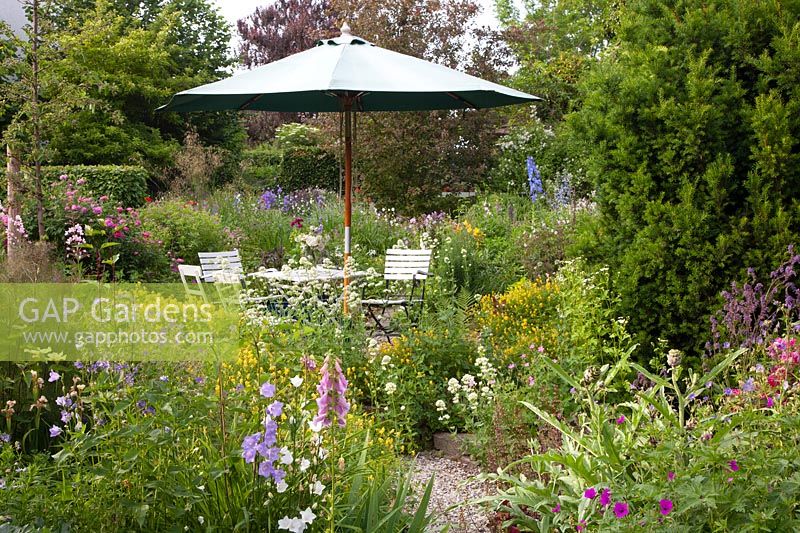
column 665, row 506
column 734, row 465
column 671, row 476
column 605, row 497
column 590, row 493
column 621, row 509
column 557, row 508
column 621, row 419
column 770, row 401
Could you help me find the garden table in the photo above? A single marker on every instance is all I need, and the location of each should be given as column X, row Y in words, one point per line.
column 305, row 275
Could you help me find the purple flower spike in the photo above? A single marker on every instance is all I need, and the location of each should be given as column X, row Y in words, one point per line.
column 332, row 389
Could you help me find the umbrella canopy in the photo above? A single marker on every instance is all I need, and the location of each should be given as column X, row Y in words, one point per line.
column 316, row 79
column 347, row 74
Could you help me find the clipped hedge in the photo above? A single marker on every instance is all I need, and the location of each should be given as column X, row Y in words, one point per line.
column 304, row 168
column 261, row 166
column 126, row 185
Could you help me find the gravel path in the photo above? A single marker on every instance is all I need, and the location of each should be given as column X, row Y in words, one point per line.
column 452, row 485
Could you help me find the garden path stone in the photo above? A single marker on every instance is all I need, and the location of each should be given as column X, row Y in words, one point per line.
column 453, row 484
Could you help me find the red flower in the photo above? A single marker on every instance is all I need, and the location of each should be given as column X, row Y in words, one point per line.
column 297, row 222
column 148, row 199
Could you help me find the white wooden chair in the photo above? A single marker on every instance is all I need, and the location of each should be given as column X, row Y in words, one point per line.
column 192, row 279
column 401, row 265
column 214, row 263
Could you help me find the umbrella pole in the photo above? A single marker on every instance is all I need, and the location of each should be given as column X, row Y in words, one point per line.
column 348, row 183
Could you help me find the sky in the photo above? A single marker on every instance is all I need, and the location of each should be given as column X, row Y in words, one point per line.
column 234, row 10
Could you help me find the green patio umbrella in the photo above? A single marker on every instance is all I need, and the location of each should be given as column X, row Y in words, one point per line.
column 347, row 74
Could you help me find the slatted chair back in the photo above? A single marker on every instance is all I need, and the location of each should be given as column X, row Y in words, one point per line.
column 229, row 262
column 403, row 264
column 192, row 279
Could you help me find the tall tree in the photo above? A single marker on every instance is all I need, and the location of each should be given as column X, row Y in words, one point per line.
column 554, row 43
column 407, row 159
column 34, row 100
column 126, row 59
column 276, row 31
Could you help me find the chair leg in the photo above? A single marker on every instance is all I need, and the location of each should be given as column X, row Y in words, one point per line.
column 378, row 324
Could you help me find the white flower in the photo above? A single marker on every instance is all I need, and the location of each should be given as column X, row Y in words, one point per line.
column 390, row 388
column 296, row 381
column 308, row 515
column 304, row 464
column 286, row 456
column 317, row 488
column 281, row 486
column 386, row 360
column 440, row 405
column 285, row 523
column 322, row 453
column 468, row 380
column 453, row 386
column 201, row 519
column 316, row 427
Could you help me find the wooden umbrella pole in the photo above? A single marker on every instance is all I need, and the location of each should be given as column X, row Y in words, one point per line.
column 348, row 184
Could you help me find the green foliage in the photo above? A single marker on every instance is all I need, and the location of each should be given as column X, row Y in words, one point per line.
column 294, row 161
column 106, row 67
column 126, row 185
column 303, row 168
column 555, row 43
column 403, row 380
column 722, row 460
column 261, row 166
column 183, row 229
column 689, row 124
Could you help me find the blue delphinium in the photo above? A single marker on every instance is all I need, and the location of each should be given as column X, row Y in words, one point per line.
column 534, row 179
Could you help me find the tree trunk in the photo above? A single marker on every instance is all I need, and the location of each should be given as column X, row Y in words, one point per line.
column 12, row 203
column 37, row 134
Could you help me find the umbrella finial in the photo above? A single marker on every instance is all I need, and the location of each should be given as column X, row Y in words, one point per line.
column 345, row 29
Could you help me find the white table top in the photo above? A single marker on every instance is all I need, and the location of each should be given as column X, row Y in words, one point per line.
column 304, row 275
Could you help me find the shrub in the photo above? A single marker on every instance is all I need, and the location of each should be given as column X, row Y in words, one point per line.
column 692, row 152
column 126, row 185
column 184, row 229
